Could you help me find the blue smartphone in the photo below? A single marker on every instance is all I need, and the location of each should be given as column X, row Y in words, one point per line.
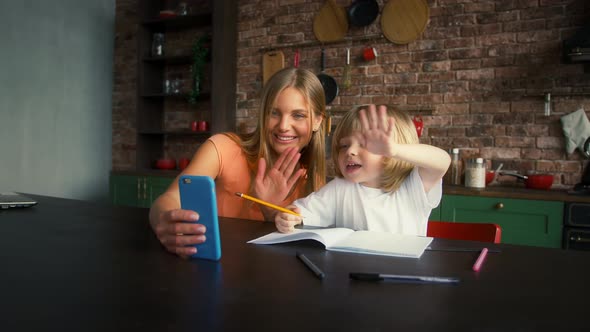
column 197, row 193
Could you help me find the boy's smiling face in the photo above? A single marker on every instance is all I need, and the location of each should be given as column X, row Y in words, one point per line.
column 357, row 164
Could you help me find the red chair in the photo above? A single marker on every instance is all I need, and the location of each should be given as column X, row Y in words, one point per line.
column 465, row 231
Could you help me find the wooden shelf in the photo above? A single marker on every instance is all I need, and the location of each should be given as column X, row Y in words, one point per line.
column 179, row 22
column 203, row 96
column 170, row 59
column 217, row 19
column 175, row 133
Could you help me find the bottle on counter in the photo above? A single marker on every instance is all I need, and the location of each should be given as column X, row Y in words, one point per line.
column 475, row 173
column 455, row 169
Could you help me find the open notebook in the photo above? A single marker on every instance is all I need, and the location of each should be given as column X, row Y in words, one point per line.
column 347, row 240
column 15, row 200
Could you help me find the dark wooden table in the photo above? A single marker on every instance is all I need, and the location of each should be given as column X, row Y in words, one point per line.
column 70, row 265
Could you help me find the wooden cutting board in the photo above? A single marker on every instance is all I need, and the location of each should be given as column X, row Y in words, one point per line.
column 402, row 21
column 330, row 23
column 272, row 62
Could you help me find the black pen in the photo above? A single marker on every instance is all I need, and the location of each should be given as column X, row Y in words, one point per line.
column 402, row 278
column 310, row 265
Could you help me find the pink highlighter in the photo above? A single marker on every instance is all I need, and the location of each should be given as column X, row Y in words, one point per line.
column 480, row 259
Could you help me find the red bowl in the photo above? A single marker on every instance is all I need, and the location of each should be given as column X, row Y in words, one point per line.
column 539, row 181
column 166, row 164
column 489, row 176
column 183, row 162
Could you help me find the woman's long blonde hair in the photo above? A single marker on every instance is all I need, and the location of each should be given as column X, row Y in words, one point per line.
column 255, row 144
column 394, row 171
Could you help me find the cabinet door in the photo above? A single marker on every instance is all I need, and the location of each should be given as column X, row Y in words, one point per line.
column 435, row 214
column 157, row 186
column 526, row 222
column 125, row 190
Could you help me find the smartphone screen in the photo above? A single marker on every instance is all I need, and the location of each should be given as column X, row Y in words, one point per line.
column 197, row 193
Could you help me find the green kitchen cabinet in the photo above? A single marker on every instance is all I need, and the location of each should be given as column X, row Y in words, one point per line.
column 435, row 214
column 523, row 221
column 133, row 190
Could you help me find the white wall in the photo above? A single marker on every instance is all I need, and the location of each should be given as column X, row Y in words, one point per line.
column 56, row 60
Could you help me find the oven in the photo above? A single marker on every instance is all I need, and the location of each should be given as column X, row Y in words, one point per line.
column 576, row 233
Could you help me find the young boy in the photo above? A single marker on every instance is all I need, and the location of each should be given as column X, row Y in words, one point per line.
column 386, row 180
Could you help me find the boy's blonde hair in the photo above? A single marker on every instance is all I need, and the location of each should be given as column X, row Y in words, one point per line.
column 394, row 171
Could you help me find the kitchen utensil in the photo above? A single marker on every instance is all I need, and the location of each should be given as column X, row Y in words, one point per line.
column 272, row 62
column 165, row 163
column 369, row 53
column 346, row 81
column 535, row 181
column 331, row 22
column 328, row 82
column 328, row 125
column 362, row 12
column 202, row 125
column 492, row 175
column 402, row 21
column 419, row 124
column 167, row 13
column 183, row 162
column 296, row 59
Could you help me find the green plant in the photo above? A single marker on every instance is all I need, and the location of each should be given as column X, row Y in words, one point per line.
column 200, row 52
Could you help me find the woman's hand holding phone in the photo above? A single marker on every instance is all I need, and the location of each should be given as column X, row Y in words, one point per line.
column 177, row 235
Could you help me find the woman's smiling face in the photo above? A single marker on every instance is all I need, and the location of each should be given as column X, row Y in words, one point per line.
column 288, row 123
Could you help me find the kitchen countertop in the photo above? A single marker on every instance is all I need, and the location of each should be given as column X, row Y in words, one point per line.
column 503, row 191
column 516, row 192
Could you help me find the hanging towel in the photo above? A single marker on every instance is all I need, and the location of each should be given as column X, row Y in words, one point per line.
column 576, row 129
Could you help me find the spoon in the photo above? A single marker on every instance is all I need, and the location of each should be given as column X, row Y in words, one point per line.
column 497, row 172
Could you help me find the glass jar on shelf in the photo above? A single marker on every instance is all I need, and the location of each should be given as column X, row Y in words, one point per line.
column 158, row 41
column 182, row 9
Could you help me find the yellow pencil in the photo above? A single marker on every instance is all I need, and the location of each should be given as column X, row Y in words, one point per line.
column 270, row 205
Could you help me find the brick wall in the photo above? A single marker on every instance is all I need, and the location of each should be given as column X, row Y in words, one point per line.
column 125, row 85
column 477, row 75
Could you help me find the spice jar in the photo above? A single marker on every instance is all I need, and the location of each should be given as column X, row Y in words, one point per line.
column 475, row 173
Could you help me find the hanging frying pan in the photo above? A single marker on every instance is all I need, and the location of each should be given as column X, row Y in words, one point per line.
column 402, row 21
column 328, row 82
column 363, row 12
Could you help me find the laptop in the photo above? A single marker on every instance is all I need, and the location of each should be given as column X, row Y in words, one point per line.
column 15, row 200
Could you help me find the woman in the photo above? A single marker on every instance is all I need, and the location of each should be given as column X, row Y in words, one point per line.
column 281, row 160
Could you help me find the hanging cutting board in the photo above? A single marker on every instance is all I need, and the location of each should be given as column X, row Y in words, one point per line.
column 330, row 23
column 402, row 21
column 272, row 62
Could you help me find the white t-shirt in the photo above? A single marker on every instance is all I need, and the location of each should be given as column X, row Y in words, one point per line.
column 341, row 203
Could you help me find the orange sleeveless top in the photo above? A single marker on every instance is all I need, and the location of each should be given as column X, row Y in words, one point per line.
column 234, row 177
